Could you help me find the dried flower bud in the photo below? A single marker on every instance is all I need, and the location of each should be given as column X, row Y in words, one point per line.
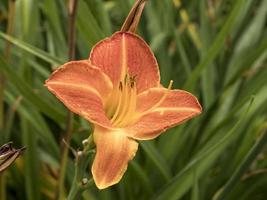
column 8, row 155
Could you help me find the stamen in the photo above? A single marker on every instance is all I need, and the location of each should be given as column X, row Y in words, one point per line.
column 114, row 97
column 125, row 96
column 120, row 86
column 125, row 106
column 163, row 97
column 125, row 79
column 121, row 109
column 118, row 106
column 132, row 106
column 132, row 81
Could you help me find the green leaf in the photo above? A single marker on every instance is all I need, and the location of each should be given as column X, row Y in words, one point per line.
column 141, row 176
column 216, row 45
column 244, row 165
column 32, row 172
column 37, row 122
column 28, row 93
column 87, row 24
column 31, row 49
column 157, row 159
column 179, row 184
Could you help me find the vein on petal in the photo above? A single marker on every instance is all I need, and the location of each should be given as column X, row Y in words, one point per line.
column 83, row 87
column 181, row 109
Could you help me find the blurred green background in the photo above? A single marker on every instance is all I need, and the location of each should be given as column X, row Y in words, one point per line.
column 216, row 49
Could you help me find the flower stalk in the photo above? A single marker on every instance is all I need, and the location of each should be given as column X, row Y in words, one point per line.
column 72, row 8
column 80, row 182
column 3, row 127
column 9, row 31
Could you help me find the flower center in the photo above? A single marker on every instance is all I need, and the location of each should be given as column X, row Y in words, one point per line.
column 122, row 103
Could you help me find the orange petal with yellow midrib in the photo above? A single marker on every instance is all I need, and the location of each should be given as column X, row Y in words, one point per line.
column 113, row 152
column 177, row 107
column 125, row 52
column 83, row 89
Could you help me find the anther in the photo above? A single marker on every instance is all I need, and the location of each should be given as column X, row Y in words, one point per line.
column 120, row 86
column 132, row 81
column 134, row 78
column 125, row 79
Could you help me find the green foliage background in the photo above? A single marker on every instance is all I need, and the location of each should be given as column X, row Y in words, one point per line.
column 217, row 49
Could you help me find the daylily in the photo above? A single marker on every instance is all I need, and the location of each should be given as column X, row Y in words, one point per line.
column 118, row 90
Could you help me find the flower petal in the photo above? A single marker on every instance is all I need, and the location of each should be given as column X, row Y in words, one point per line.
column 113, row 152
column 177, row 107
column 126, row 51
column 83, row 88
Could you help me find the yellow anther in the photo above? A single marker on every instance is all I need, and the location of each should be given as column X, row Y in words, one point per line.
column 128, row 102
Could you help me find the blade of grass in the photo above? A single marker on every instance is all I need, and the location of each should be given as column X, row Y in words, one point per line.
column 100, row 12
column 53, row 16
column 9, row 120
column 36, row 121
column 7, row 53
column 87, row 24
column 182, row 52
column 142, row 176
column 249, row 158
column 179, row 184
column 244, row 64
column 254, row 30
column 216, row 45
column 208, row 77
column 31, row 162
column 31, row 49
column 157, row 160
column 26, row 91
column 195, row 189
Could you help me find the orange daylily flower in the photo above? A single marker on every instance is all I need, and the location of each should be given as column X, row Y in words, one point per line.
column 118, row 90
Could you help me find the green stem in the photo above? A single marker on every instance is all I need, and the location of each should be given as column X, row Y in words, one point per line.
column 71, row 41
column 3, row 186
column 2, row 102
column 10, row 28
column 63, row 166
column 80, row 183
column 77, row 190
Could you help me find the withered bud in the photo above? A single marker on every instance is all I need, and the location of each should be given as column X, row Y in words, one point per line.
column 8, row 155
